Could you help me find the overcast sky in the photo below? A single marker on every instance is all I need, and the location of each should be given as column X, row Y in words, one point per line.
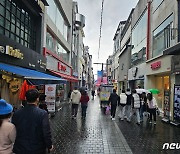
column 114, row 12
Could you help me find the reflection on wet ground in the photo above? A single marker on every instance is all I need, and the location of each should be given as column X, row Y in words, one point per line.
column 98, row 134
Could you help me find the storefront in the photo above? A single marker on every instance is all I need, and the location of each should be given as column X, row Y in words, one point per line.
column 58, row 67
column 136, row 76
column 159, row 77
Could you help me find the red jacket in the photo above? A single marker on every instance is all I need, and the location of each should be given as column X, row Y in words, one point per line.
column 84, row 99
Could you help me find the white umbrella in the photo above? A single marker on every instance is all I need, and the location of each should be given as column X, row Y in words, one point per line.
column 140, row 91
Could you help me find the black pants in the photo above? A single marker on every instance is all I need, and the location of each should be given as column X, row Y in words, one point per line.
column 83, row 109
column 152, row 113
column 74, row 109
column 113, row 110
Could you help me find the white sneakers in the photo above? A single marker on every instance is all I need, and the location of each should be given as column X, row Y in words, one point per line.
column 113, row 119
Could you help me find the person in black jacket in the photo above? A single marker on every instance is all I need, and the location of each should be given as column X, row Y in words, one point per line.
column 114, row 100
column 32, row 126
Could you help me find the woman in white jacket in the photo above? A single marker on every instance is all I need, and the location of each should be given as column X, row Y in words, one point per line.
column 152, row 104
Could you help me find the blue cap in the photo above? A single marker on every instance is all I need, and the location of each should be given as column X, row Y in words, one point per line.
column 5, row 108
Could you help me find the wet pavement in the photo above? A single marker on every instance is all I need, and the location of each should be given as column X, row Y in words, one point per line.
column 98, row 134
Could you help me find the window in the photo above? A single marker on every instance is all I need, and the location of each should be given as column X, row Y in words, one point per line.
column 139, row 34
column 56, row 16
column 163, row 36
column 156, row 4
column 53, row 45
column 16, row 24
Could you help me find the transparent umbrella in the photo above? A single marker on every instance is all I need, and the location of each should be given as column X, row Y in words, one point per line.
column 140, row 91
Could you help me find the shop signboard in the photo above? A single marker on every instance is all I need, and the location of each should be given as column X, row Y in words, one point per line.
column 177, row 103
column 166, row 104
column 50, row 92
column 14, row 53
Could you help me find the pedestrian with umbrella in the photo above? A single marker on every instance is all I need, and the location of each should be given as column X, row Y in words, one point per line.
column 152, row 105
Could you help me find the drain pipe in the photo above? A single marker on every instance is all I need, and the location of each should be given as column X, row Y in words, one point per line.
column 178, row 1
column 148, row 29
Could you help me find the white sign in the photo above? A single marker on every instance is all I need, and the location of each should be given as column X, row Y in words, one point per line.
column 50, row 92
column 171, row 146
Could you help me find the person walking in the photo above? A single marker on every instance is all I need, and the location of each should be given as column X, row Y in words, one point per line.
column 135, row 105
column 42, row 102
column 114, row 100
column 33, row 128
column 128, row 104
column 93, row 93
column 84, row 103
column 7, row 129
column 152, row 105
column 143, row 107
column 75, row 100
column 123, row 101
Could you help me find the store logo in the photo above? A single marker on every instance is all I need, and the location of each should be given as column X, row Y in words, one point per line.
column 11, row 52
column 171, row 146
column 50, row 88
column 61, row 67
column 156, row 65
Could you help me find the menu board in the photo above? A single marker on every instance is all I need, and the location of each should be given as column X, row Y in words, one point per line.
column 166, row 104
column 177, row 102
column 50, row 92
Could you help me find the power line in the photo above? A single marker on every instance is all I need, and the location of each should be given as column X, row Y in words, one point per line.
column 100, row 29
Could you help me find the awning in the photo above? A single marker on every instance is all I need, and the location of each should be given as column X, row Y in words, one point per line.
column 67, row 77
column 32, row 76
column 174, row 50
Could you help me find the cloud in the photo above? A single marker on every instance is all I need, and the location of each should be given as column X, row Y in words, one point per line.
column 114, row 12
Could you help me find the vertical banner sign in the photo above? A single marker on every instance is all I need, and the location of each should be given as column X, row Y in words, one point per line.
column 166, row 104
column 177, row 103
column 50, row 92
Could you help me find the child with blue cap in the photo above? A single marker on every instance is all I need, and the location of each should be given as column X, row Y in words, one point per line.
column 7, row 129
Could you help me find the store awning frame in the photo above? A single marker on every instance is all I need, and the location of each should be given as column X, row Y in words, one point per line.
column 34, row 77
column 67, row 77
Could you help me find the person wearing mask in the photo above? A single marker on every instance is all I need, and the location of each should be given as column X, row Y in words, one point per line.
column 135, row 105
column 143, row 107
column 152, row 105
column 75, row 100
column 84, row 103
column 114, row 100
column 32, row 126
column 123, row 101
column 7, row 129
column 128, row 104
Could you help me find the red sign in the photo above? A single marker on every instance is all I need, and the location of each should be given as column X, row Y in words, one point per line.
column 61, row 67
column 156, row 65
